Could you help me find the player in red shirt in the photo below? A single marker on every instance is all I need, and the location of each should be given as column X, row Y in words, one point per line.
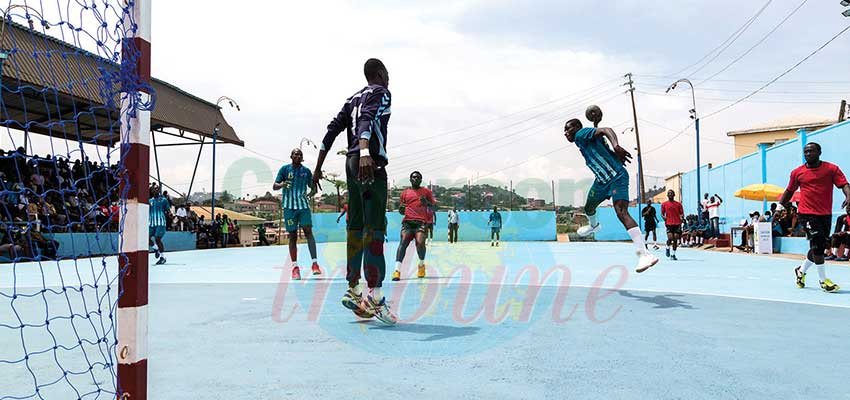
column 815, row 180
column 673, row 214
column 416, row 204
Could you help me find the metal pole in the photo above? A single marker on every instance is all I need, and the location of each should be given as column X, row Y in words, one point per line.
column 512, row 195
column 699, row 190
column 641, row 183
column 212, row 204
column 553, row 196
column 195, row 171
column 156, row 159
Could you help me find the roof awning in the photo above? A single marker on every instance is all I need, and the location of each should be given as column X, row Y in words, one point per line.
column 53, row 88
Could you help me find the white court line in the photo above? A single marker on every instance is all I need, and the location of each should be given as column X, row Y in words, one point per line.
column 728, row 296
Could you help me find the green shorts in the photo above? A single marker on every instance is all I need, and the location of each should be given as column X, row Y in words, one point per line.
column 156, row 231
column 292, row 219
column 367, row 203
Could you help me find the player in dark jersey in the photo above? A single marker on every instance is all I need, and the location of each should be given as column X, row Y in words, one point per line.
column 841, row 237
column 815, row 180
column 612, row 182
column 364, row 118
column 650, row 223
column 415, row 204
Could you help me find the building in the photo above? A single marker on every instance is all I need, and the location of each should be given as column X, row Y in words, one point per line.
column 266, row 205
column 242, row 206
column 671, row 183
column 775, row 132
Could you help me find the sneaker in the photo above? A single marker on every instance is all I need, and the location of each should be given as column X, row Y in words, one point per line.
column 667, row 252
column 829, row 257
column 296, row 274
column 828, row 286
column 351, row 299
column 316, row 269
column 160, row 261
column 380, row 309
column 588, row 230
column 396, row 276
column 655, row 247
column 497, row 244
column 673, row 257
column 801, row 277
column 492, row 244
column 421, row 271
column 842, row 259
column 646, row 261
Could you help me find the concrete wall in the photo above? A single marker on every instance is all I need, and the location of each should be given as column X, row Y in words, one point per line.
column 73, row 245
column 516, row 226
column 779, row 161
column 613, row 230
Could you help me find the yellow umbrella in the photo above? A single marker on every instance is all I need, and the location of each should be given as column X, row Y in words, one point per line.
column 760, row 191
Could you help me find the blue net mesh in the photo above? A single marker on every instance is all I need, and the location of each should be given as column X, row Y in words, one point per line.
column 62, row 80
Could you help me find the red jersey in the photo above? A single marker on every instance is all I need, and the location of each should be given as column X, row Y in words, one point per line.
column 672, row 212
column 815, row 186
column 416, row 204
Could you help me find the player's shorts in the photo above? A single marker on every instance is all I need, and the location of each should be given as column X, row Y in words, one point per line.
column 617, row 189
column 156, row 231
column 838, row 240
column 495, row 229
column 292, row 219
column 411, row 228
column 367, row 202
column 649, row 225
column 817, row 228
column 674, row 229
column 452, row 226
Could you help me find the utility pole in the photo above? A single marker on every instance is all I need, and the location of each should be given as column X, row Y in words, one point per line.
column 842, row 110
column 631, row 92
column 512, row 195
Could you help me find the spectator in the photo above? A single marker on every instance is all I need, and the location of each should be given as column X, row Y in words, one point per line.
column 841, row 237
column 261, row 235
column 182, row 218
column 713, row 207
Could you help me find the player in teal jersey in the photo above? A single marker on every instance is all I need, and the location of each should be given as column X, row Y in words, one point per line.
column 294, row 180
column 159, row 205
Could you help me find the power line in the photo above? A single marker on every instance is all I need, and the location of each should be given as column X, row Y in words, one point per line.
column 744, row 54
column 731, row 38
column 806, row 101
column 780, row 75
column 665, row 77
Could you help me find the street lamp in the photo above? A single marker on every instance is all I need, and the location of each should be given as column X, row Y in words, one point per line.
column 215, row 139
column 4, row 54
column 308, row 141
column 695, row 117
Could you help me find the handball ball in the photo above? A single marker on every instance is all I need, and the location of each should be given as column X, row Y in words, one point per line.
column 593, row 113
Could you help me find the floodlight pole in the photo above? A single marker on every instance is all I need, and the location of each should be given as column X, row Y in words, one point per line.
column 215, row 140
column 695, row 117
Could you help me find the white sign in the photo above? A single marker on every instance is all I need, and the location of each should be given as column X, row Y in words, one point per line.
column 763, row 241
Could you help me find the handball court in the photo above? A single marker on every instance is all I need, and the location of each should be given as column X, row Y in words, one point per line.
column 526, row 320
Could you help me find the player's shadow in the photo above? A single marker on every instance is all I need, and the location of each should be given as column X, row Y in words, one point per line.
column 660, row 300
column 435, row 332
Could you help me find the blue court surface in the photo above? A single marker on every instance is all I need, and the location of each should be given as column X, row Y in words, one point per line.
column 521, row 321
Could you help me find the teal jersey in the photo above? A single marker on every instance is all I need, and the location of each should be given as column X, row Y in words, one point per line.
column 598, row 156
column 299, row 179
column 158, row 208
column 495, row 220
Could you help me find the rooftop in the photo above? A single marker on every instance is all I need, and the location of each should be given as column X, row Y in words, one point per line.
column 787, row 123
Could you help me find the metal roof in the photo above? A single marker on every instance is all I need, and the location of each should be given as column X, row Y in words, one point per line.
column 54, row 88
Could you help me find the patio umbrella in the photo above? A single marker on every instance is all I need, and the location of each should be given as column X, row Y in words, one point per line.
column 760, row 191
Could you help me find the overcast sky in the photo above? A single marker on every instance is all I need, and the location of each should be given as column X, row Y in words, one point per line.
column 484, row 87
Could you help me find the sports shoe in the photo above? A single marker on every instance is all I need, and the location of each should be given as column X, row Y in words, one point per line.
column 396, row 276
column 842, row 259
column 160, row 261
column 828, row 286
column 588, row 230
column 655, row 247
column 492, row 244
column 420, row 273
column 829, row 257
column 673, row 257
column 316, row 269
column 381, row 310
column 667, row 252
column 646, row 261
column 497, row 244
column 296, row 274
column 351, row 299
column 801, row 277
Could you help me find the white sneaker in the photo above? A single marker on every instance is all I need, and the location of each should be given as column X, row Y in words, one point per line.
column 646, row 261
column 588, row 230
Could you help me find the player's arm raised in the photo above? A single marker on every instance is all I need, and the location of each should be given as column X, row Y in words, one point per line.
column 337, row 125
column 609, row 134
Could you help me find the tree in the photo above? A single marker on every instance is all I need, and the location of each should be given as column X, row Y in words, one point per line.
column 226, row 197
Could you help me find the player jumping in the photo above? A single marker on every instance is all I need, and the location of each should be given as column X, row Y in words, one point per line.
column 612, row 181
column 364, row 117
column 415, row 204
column 815, row 179
column 293, row 180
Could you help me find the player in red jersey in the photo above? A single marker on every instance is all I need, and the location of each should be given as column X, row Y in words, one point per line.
column 416, row 203
column 673, row 214
column 815, row 180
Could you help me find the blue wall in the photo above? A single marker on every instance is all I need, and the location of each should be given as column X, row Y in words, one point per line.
column 516, row 226
column 72, row 245
column 780, row 160
column 613, row 230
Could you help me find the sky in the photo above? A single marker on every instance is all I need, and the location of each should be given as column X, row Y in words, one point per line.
column 481, row 89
